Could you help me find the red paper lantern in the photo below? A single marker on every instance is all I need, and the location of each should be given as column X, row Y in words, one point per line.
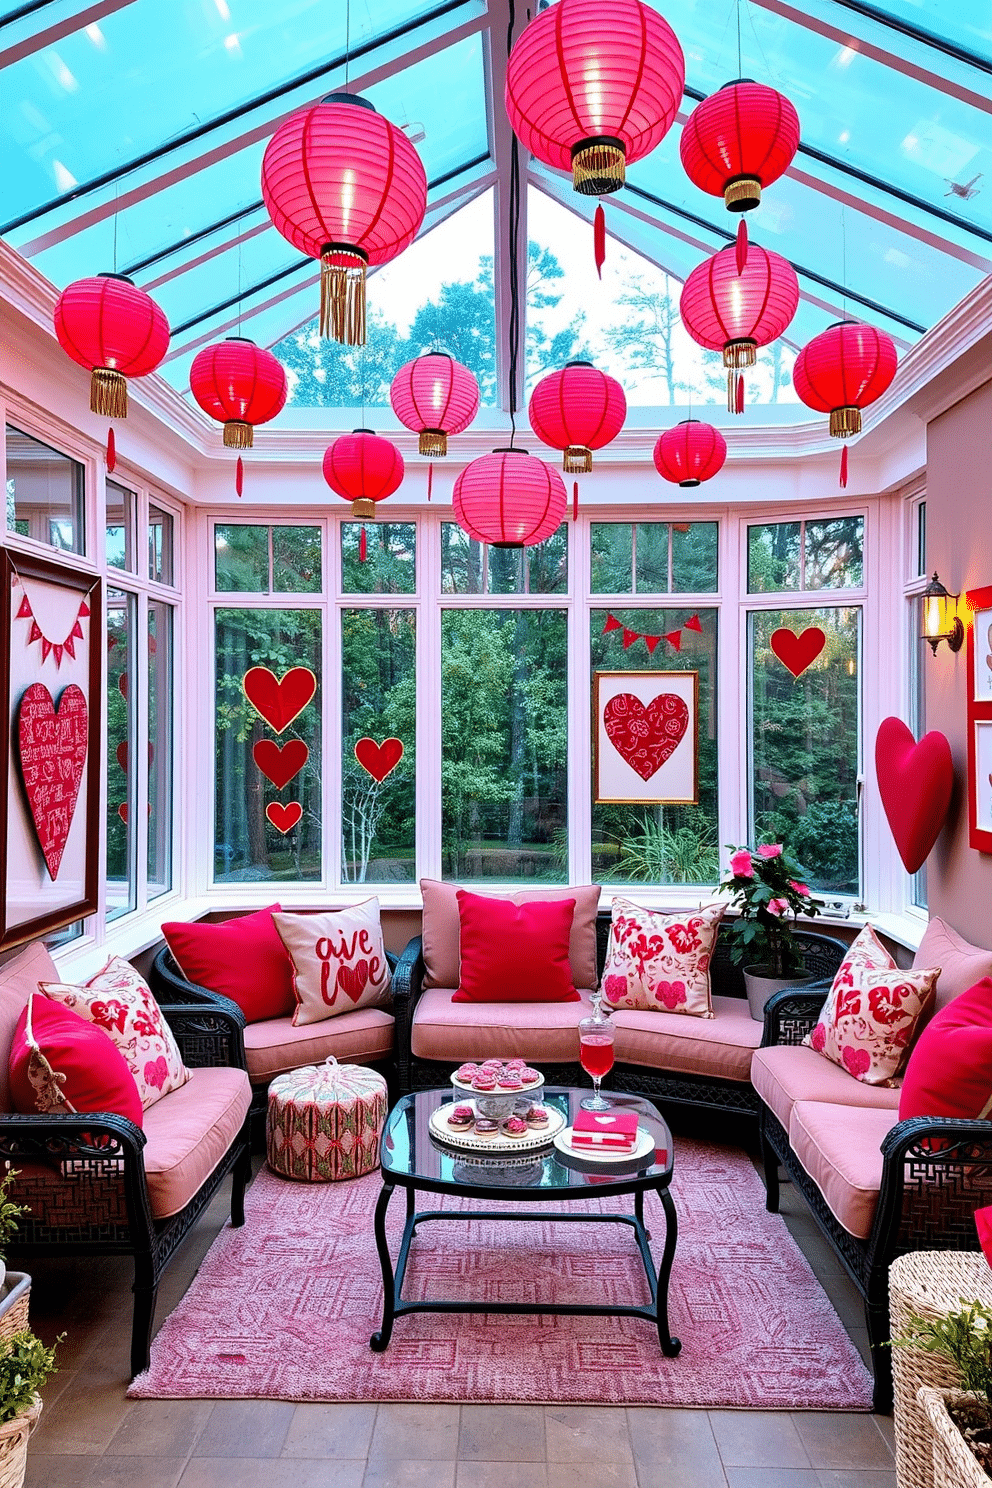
column 363, row 469
column 738, row 140
column 510, row 499
column 593, row 85
column 434, row 396
column 842, row 370
column 690, row 453
column 115, row 331
column 240, row 385
column 344, row 185
column 578, row 410
column 736, row 311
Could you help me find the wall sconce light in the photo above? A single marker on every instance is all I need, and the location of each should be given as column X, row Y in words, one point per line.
column 941, row 621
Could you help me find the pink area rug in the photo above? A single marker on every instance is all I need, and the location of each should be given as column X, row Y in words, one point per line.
column 283, row 1309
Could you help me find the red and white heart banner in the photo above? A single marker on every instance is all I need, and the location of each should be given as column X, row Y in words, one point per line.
column 673, row 637
column 50, row 647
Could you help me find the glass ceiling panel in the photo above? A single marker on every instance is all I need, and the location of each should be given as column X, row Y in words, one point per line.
column 196, row 59
column 968, row 23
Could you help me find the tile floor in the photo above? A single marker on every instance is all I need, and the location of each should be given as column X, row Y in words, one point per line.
column 91, row 1437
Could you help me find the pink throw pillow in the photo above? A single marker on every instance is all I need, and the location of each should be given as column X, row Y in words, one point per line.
column 61, row 1063
column 950, row 1070
column 661, row 962
column 243, row 959
column 961, row 963
column 514, row 952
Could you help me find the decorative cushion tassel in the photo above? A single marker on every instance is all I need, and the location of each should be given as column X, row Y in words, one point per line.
column 843, row 467
column 362, row 546
column 111, row 452
column 342, row 294
column 741, row 246
column 430, row 479
column 599, row 239
column 575, row 501
column 239, row 476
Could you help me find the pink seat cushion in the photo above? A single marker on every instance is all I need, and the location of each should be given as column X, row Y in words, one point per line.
column 961, row 964
column 721, row 1046
column 536, row 1031
column 442, row 929
column 950, row 1069
column 788, row 1073
column 241, row 958
column 189, row 1131
column 840, row 1148
column 514, row 952
column 19, row 977
column 276, row 1046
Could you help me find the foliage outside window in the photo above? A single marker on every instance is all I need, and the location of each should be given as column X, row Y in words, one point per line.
column 45, row 493
column 805, row 745
column 378, row 702
column 122, row 887
column 504, row 745
column 654, row 558
column 661, row 844
column 247, row 846
column 472, row 567
column 160, row 758
column 827, row 554
column 120, row 526
column 160, row 544
column 266, row 560
column 390, row 565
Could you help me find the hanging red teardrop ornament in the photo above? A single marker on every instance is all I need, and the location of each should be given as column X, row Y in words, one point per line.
column 739, row 401
column 575, row 501
column 430, row 479
column 111, row 452
column 239, row 476
column 843, row 467
column 362, row 547
column 599, row 239
column 741, row 246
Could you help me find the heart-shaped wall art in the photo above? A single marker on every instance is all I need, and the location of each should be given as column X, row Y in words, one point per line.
column 379, row 759
column 51, row 747
column 284, row 818
column 915, row 782
column 280, row 762
column 645, row 736
column 279, row 700
column 797, row 652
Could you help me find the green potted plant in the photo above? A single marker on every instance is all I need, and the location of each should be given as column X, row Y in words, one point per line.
column 15, row 1286
column 25, row 1365
column 961, row 1420
column 766, row 888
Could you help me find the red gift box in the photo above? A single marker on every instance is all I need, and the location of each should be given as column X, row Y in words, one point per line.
column 616, row 1129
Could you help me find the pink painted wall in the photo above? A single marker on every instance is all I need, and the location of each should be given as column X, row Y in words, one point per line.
column 959, row 547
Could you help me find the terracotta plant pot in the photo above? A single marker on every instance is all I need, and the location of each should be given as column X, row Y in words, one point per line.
column 761, row 985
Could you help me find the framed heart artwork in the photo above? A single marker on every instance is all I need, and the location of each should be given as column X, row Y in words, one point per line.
column 978, row 622
column 645, row 737
column 50, row 752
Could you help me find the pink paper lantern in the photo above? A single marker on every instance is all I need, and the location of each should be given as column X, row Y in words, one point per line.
column 510, row 499
column 577, row 410
column 434, row 396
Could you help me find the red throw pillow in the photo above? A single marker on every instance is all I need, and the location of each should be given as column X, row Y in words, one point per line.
column 950, row 1070
column 243, row 959
column 514, row 952
column 61, row 1062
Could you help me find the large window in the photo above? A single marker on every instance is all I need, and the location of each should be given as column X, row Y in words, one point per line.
column 654, row 558
column 826, row 554
column 45, row 491
column 122, row 882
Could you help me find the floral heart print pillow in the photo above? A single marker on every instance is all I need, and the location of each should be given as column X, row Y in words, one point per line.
column 661, row 962
column 119, row 1001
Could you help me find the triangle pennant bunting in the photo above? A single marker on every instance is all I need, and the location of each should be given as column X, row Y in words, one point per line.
column 612, row 623
column 84, row 610
column 46, row 646
column 693, row 623
column 70, row 646
column 629, row 637
column 674, row 638
column 651, row 642
column 25, row 613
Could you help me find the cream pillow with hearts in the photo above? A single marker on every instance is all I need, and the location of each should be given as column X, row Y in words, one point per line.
column 339, row 961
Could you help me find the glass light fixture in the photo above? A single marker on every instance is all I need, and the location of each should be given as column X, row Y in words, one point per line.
column 941, row 621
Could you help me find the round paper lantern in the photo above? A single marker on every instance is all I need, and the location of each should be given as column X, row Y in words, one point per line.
column 690, row 453
column 363, row 469
column 115, row 331
column 434, row 396
column 737, row 310
column 739, row 139
column 578, row 410
column 344, row 185
column 842, row 370
column 510, row 499
column 593, row 85
column 240, row 385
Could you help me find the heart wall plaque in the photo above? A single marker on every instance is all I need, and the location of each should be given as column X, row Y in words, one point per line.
column 915, row 782
column 51, row 749
column 646, row 726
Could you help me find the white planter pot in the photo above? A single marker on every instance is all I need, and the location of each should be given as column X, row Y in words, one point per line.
column 760, row 987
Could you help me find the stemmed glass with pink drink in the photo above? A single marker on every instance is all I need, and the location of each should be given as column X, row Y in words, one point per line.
column 596, row 1034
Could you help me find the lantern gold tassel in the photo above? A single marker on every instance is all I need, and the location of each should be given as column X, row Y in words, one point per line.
column 432, row 442
column 740, row 354
column 238, row 435
column 578, row 460
column 743, row 194
column 598, row 166
column 342, row 295
column 844, row 422
column 108, row 393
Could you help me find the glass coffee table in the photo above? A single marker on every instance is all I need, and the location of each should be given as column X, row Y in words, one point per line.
column 412, row 1159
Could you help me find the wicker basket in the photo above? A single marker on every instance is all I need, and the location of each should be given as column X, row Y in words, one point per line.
column 954, row 1464
column 14, row 1446
column 14, row 1303
column 930, row 1283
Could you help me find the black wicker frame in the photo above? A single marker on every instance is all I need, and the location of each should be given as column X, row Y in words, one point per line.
column 85, row 1177
column 935, row 1174
column 734, row 1098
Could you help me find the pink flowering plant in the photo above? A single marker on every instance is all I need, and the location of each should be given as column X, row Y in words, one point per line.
column 768, row 894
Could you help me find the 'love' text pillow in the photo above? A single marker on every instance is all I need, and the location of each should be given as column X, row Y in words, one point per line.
column 339, row 960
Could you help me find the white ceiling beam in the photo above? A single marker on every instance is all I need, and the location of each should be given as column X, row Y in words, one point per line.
column 501, row 147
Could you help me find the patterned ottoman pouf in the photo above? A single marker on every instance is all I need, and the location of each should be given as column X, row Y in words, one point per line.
column 324, row 1122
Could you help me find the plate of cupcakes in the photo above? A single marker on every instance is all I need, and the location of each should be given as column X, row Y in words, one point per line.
column 461, row 1124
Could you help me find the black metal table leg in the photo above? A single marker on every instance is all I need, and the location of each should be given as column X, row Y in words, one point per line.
column 639, row 1210
column 670, row 1346
column 380, row 1341
column 411, row 1205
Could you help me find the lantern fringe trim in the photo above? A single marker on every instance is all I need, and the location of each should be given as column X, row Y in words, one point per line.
column 342, row 294
column 844, row 422
column 108, row 392
column 598, row 166
column 432, row 442
column 364, row 508
column 578, row 460
column 740, row 353
column 743, row 194
column 238, row 435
